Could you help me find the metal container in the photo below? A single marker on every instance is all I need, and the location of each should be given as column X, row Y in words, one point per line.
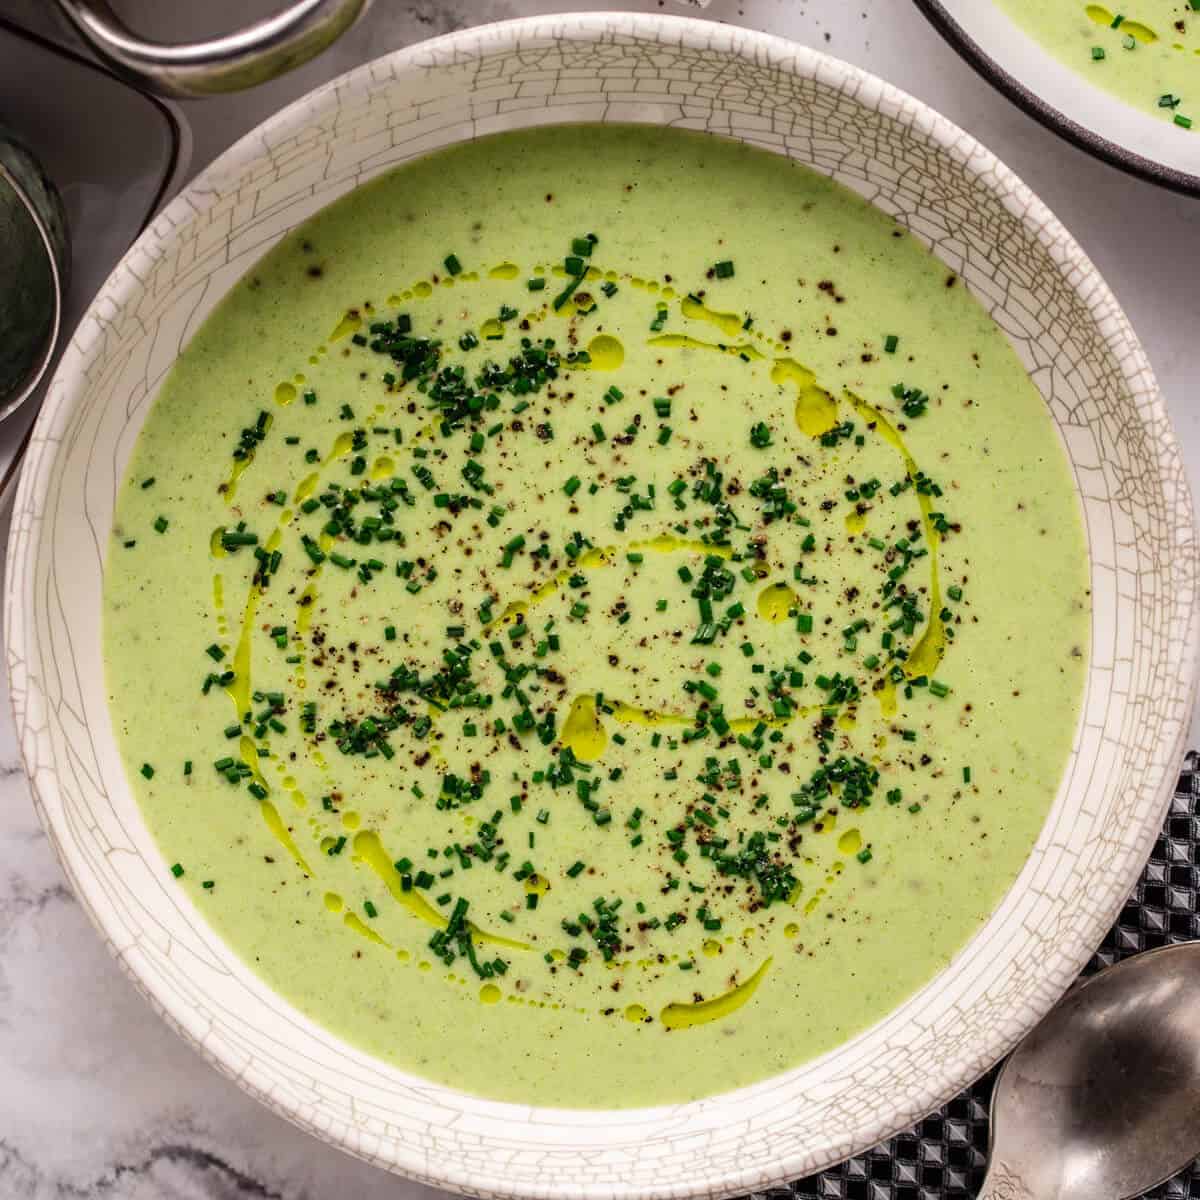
column 34, row 248
column 223, row 64
column 34, row 256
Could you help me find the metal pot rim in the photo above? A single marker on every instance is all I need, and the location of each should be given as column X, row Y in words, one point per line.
column 10, row 403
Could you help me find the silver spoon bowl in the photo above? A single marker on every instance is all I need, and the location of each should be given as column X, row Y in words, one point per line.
column 1102, row 1100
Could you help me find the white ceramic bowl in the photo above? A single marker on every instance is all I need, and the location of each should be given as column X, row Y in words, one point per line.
column 1015, row 257
column 1063, row 99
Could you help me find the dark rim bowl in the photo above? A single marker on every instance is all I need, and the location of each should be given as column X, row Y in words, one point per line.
column 1023, row 91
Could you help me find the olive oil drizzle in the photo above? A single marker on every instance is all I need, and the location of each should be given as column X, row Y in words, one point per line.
column 930, row 647
column 687, row 1016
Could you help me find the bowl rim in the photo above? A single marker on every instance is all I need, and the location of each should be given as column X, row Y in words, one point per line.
column 755, row 46
column 1087, row 140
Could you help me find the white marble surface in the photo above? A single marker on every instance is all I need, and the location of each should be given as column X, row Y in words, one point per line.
column 98, row 1100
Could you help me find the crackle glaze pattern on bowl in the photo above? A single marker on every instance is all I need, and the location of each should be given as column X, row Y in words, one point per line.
column 1016, row 259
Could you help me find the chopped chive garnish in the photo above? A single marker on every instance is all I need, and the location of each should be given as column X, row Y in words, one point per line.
column 147, row 770
column 723, row 269
column 177, row 869
column 160, row 524
column 452, row 265
column 890, row 343
column 567, row 292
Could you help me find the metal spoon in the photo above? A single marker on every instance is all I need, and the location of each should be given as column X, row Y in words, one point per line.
column 1102, row 1100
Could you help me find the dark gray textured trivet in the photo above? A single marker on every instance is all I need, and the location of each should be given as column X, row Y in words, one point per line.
column 944, row 1157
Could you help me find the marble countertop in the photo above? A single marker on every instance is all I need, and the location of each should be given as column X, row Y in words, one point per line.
column 98, row 1099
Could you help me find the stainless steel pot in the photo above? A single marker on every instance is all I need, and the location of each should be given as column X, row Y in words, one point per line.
column 223, row 64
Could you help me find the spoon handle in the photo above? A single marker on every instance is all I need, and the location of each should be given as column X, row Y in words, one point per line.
column 1003, row 1183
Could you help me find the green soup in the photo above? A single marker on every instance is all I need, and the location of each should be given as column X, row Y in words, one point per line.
column 597, row 617
column 1147, row 54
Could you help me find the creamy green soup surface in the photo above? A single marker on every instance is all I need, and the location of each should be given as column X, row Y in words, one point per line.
column 1146, row 52
column 597, row 616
